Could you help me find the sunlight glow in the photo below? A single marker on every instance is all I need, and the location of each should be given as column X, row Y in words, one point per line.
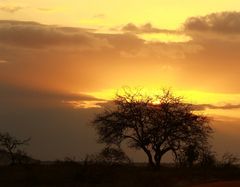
column 192, row 96
column 155, row 37
column 84, row 104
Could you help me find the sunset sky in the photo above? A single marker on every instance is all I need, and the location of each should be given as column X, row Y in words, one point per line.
column 60, row 61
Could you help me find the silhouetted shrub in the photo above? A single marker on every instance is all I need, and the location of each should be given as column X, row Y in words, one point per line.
column 195, row 155
column 21, row 157
column 109, row 156
column 229, row 160
column 207, row 158
column 187, row 156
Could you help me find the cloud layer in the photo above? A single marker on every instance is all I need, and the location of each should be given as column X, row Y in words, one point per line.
column 34, row 35
column 211, row 54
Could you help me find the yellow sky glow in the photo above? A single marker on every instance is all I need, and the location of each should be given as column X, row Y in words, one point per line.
column 192, row 96
column 114, row 13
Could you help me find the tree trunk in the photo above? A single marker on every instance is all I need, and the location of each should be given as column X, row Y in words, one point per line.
column 12, row 157
column 157, row 158
column 149, row 155
column 150, row 160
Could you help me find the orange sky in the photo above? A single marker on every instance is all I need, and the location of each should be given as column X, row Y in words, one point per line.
column 67, row 54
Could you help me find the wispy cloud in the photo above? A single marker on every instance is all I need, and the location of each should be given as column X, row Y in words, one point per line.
column 222, row 107
column 3, row 61
column 146, row 28
column 99, row 16
column 53, row 9
column 11, row 8
column 154, row 34
column 45, row 9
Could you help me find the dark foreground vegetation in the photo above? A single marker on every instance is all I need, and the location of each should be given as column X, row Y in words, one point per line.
column 75, row 174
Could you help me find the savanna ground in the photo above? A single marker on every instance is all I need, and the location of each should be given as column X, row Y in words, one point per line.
column 74, row 174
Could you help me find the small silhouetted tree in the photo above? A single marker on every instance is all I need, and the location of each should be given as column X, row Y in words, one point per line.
column 11, row 145
column 155, row 125
column 110, row 156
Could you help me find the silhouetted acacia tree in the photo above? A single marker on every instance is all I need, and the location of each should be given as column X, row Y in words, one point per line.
column 11, row 145
column 156, row 124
